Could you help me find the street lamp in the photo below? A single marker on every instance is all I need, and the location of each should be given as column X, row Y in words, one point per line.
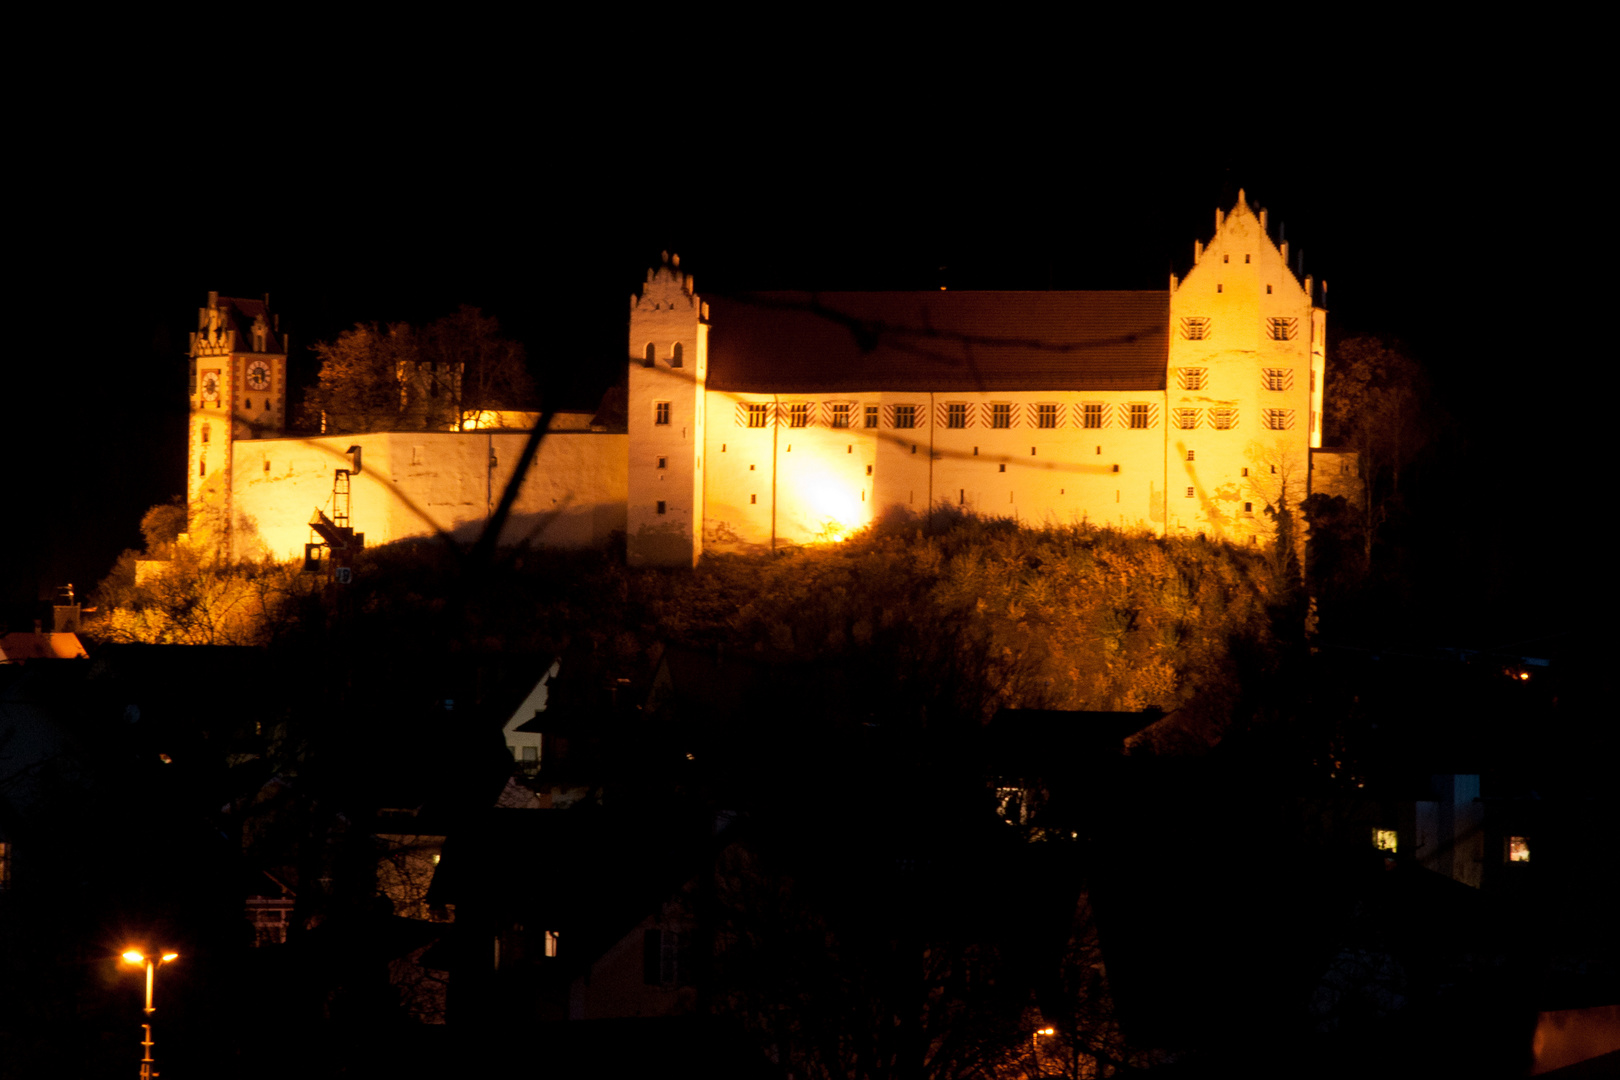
column 137, row 958
column 1035, row 1045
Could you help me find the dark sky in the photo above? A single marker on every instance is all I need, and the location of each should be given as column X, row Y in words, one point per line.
column 1464, row 224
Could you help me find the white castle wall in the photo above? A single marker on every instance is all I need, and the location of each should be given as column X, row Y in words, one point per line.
column 415, row 484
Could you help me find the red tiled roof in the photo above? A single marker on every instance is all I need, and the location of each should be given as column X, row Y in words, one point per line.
column 242, row 313
column 942, row 341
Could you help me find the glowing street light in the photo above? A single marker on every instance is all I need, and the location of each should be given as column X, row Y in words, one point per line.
column 1035, row 1045
column 136, row 958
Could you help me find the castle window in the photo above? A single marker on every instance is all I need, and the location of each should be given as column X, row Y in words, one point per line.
column 1046, row 416
column 799, row 415
column 840, row 416
column 956, row 416
column 1189, row 493
column 1191, row 455
column 1001, row 416
column 202, row 466
column 247, row 403
column 869, row 470
column 1219, row 287
column 905, row 416
column 1248, row 509
column 1277, row 378
column 1282, row 329
column 650, row 356
column 871, row 416
column 1245, row 259
column 1192, row 378
column 1003, row 468
column 663, row 463
column 1195, row 327
column 1277, row 419
column 266, row 464
column 756, row 416
column 1187, row 419
column 1091, row 414
column 1518, row 849
column 1268, row 290
column 661, row 413
column 205, row 428
column 1223, row 419
column 1245, row 470
column 661, row 507
column 677, row 356
column 753, row 500
column 1226, row 258
column 1385, row 839
column 1139, row 416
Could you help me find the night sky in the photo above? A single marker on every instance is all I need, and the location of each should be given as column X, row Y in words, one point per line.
column 1468, row 224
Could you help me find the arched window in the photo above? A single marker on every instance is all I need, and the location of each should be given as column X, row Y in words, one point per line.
column 650, row 356
column 205, row 432
column 247, row 403
column 675, row 355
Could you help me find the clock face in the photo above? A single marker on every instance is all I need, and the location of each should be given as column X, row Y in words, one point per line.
column 258, row 375
column 210, row 386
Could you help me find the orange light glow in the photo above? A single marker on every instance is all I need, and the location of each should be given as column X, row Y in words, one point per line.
column 134, row 957
column 170, row 956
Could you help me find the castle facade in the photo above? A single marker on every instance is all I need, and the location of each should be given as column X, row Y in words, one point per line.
column 779, row 419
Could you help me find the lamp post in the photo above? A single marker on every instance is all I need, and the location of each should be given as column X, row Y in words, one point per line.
column 137, row 958
column 1035, row 1045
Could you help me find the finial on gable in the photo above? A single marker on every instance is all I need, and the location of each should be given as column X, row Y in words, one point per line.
column 674, row 260
column 666, row 258
column 1241, row 200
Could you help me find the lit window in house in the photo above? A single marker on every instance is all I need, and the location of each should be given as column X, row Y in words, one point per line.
column 756, row 416
column 1139, row 416
column 1277, row 419
column 5, row 865
column 871, row 416
column 956, row 416
column 1384, row 839
column 1187, row 419
column 553, row 940
column 905, row 416
column 1518, row 849
column 1091, row 414
column 1001, row 416
column 1046, row 416
column 1282, row 329
column 799, row 415
column 1279, row 378
column 1195, row 327
column 1192, row 378
column 661, row 412
column 840, row 416
column 1223, row 419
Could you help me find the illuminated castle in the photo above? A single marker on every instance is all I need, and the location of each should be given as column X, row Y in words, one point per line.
column 795, row 418
column 781, row 419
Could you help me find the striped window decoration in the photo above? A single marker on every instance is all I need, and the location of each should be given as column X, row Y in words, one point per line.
column 838, row 414
column 1192, row 378
column 903, row 417
column 1187, row 419
column 1139, row 415
column 954, row 414
column 1091, row 414
column 1223, row 418
column 1046, row 415
column 1003, row 415
column 753, row 414
column 798, row 414
column 1282, row 329
column 1277, row 419
column 1277, row 378
column 1195, row 327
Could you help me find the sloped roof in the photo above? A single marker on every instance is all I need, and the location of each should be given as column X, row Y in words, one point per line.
column 242, row 312
column 940, row 341
column 18, row 647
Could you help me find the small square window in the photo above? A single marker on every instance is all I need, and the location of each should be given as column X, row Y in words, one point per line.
column 756, row 416
column 1046, row 416
column 1518, row 849
column 1245, row 258
column 661, row 507
column 661, row 413
column 1001, row 468
column 799, row 415
column 956, row 416
column 1001, row 416
column 1192, row 378
column 871, row 416
column 1226, row 258
column 905, row 416
column 1384, row 839
column 1139, row 416
column 840, row 416
column 1248, row 508
column 663, row 463
column 1195, row 327
column 1189, row 493
column 869, row 470
column 1192, row 455
column 1219, row 287
column 1091, row 414
column 1245, row 470
column 753, row 500
column 1268, row 290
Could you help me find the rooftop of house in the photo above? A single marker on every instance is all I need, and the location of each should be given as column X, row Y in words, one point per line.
column 940, row 341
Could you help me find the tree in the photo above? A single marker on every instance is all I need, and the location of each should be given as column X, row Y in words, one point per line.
column 402, row 377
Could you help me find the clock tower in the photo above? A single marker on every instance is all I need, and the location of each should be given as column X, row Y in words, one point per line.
column 238, row 391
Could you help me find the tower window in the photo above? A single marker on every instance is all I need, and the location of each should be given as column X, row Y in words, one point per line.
column 661, row 507
column 649, row 357
column 1245, row 258
column 1001, row 416
column 661, row 413
column 869, row 470
column 677, row 356
column 1248, row 508
column 247, row 403
column 205, row 429
column 1219, row 287
column 1226, row 258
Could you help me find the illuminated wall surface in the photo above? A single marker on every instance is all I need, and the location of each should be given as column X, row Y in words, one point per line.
column 777, row 419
